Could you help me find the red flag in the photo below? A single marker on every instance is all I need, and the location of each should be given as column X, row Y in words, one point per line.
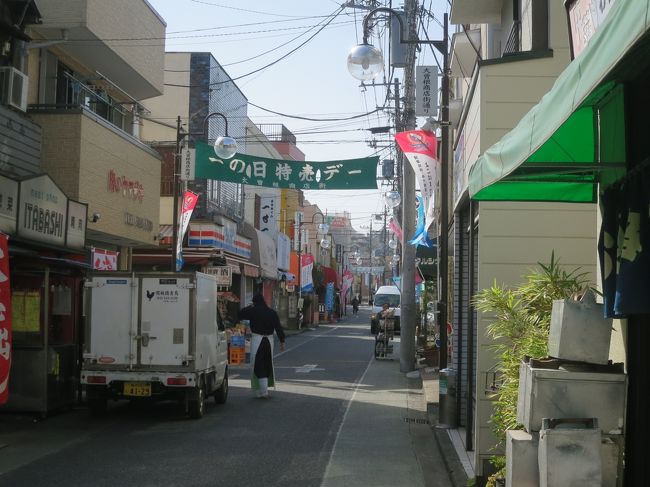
column 5, row 320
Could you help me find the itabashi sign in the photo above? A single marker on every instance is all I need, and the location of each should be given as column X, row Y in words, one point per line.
column 5, row 320
column 43, row 211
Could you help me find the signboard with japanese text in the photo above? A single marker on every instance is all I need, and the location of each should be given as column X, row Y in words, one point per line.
column 284, row 251
column 104, row 260
column 8, row 205
column 426, row 91
column 77, row 218
column 222, row 273
column 267, row 215
column 5, row 320
column 585, row 17
column 189, row 202
column 42, row 215
column 188, row 161
column 280, row 173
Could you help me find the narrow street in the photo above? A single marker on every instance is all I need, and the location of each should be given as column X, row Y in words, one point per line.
column 338, row 417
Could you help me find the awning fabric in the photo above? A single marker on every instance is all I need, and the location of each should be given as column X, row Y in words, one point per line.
column 558, row 148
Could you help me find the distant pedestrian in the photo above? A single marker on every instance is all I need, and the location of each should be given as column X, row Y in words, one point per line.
column 263, row 322
column 355, row 305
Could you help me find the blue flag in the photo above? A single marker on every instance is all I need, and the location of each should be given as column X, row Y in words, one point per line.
column 421, row 236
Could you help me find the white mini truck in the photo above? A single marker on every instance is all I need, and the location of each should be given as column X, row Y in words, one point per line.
column 154, row 336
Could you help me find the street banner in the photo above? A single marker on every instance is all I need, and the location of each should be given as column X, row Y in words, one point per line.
column 396, row 229
column 329, row 297
column 346, row 282
column 280, row 173
column 421, row 236
column 420, row 148
column 5, row 320
column 306, row 282
column 189, row 202
column 104, row 260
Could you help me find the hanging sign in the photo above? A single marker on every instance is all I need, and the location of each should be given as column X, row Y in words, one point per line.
column 5, row 320
column 426, row 91
column 280, row 173
column 420, row 148
column 189, row 202
column 223, row 273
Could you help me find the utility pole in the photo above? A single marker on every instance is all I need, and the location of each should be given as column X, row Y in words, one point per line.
column 383, row 274
column 370, row 271
column 408, row 312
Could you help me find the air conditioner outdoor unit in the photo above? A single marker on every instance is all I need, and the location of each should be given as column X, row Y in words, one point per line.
column 13, row 88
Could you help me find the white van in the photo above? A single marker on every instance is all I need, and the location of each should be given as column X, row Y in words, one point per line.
column 385, row 294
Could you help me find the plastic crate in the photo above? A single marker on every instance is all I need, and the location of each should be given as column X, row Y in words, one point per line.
column 238, row 340
column 237, row 355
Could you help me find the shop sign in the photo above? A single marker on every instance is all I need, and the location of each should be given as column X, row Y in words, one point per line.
column 284, row 251
column 5, row 320
column 268, row 255
column 222, row 273
column 130, row 189
column 585, row 18
column 8, row 205
column 138, row 221
column 267, row 215
column 77, row 218
column 43, row 211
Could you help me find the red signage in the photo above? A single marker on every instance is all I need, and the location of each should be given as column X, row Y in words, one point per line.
column 5, row 320
column 121, row 184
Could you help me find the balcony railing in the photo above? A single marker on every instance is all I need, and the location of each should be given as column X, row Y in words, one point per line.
column 73, row 94
column 513, row 44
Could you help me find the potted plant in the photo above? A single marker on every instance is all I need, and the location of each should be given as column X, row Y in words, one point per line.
column 520, row 328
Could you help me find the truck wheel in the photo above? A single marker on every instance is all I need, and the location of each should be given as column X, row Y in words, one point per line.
column 97, row 405
column 196, row 406
column 221, row 394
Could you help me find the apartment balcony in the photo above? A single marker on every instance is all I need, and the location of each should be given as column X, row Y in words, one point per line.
column 94, row 161
column 89, row 31
column 473, row 12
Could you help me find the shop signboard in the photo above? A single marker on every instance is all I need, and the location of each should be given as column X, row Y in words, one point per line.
column 5, row 320
column 284, row 251
column 268, row 255
column 585, row 17
column 77, row 218
column 8, row 205
column 223, row 273
column 426, row 91
column 267, row 215
column 42, row 211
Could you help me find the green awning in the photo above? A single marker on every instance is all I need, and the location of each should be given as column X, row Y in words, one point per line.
column 560, row 148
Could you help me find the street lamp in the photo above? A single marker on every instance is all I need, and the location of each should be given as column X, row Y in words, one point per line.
column 323, row 228
column 366, row 62
column 225, row 147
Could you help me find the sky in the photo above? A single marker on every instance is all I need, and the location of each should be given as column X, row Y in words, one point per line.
column 312, row 82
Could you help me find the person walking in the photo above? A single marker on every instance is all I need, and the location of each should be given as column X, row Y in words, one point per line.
column 263, row 322
column 355, row 305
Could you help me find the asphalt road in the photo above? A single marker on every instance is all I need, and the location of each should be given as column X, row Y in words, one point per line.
column 291, row 439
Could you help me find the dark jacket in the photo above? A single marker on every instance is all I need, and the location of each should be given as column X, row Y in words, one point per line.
column 263, row 320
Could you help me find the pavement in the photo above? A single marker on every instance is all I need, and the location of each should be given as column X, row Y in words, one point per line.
column 422, row 454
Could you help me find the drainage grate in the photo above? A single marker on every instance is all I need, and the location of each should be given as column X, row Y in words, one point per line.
column 416, row 421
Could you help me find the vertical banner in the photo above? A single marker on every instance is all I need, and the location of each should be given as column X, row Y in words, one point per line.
column 420, row 148
column 329, row 297
column 346, row 282
column 421, row 236
column 306, row 282
column 189, row 202
column 5, row 320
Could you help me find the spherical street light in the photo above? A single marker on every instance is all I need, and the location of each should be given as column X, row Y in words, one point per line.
column 365, row 62
column 392, row 198
column 358, row 261
column 323, row 228
column 225, row 147
column 392, row 244
column 325, row 243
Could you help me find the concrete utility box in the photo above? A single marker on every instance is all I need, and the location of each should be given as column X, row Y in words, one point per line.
column 570, row 453
column 579, row 332
column 521, row 459
column 570, row 391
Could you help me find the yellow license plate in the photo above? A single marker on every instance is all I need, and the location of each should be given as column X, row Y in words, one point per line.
column 140, row 389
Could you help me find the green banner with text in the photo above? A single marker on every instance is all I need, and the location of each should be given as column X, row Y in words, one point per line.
column 280, row 173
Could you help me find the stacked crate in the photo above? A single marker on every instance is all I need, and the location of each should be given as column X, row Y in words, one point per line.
column 237, row 350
